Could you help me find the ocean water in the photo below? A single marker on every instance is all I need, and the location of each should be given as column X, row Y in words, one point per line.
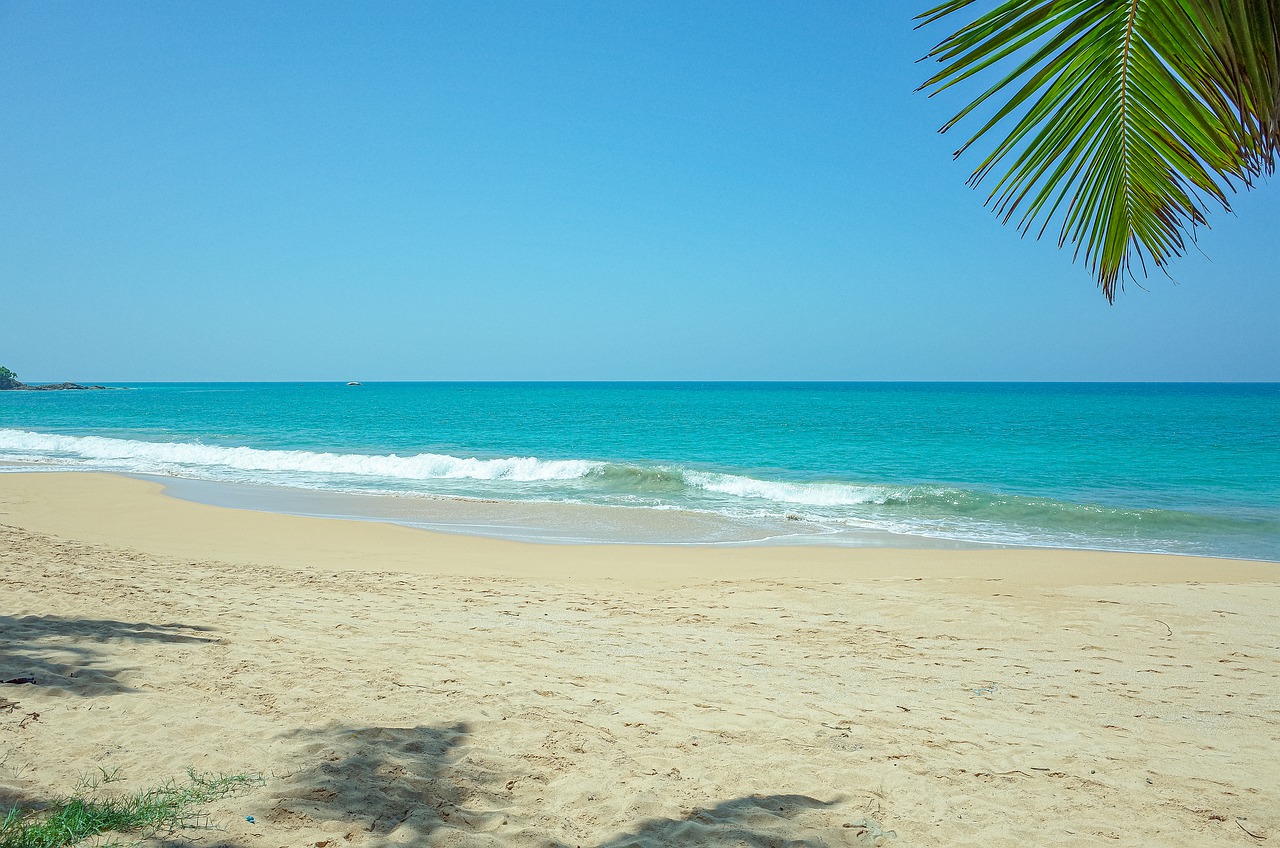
column 1171, row 468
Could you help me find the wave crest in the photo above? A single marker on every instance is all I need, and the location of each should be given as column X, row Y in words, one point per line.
column 808, row 494
column 153, row 456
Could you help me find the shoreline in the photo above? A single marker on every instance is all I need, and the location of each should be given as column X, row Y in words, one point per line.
column 540, row 522
column 564, row 523
column 114, row 510
column 462, row 516
column 397, row 686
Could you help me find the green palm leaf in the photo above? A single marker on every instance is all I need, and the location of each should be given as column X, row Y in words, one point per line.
column 1125, row 119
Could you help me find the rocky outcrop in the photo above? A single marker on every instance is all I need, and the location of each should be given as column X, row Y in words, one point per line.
column 49, row 387
column 9, row 382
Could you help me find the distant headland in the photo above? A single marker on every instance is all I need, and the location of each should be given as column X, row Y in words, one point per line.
column 9, row 382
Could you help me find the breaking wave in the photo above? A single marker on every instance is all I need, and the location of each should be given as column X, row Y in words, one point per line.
column 168, row 457
column 805, row 494
column 193, row 459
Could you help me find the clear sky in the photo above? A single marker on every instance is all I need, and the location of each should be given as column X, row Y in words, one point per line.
column 510, row 191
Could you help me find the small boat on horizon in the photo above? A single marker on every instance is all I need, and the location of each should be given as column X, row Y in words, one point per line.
column 354, row 383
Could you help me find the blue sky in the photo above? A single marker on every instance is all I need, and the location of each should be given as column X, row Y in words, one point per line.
column 494, row 191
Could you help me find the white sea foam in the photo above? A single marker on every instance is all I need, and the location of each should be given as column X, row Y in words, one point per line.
column 162, row 457
column 194, row 459
column 809, row 494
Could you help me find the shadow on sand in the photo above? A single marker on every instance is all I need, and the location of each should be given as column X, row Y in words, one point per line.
column 377, row 778
column 752, row 821
column 71, row 654
column 401, row 785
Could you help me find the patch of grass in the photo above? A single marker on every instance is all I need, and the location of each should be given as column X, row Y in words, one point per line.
column 80, row 816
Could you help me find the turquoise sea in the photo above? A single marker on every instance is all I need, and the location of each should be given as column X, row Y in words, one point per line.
column 1175, row 468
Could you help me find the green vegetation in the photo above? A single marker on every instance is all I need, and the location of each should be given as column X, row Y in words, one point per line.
column 8, row 379
column 169, row 807
column 1130, row 117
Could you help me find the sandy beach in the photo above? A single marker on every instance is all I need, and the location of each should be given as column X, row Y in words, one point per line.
column 396, row 686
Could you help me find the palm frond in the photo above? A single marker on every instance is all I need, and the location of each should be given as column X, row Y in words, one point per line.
column 1125, row 119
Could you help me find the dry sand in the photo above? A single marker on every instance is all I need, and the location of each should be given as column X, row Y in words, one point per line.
column 402, row 687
